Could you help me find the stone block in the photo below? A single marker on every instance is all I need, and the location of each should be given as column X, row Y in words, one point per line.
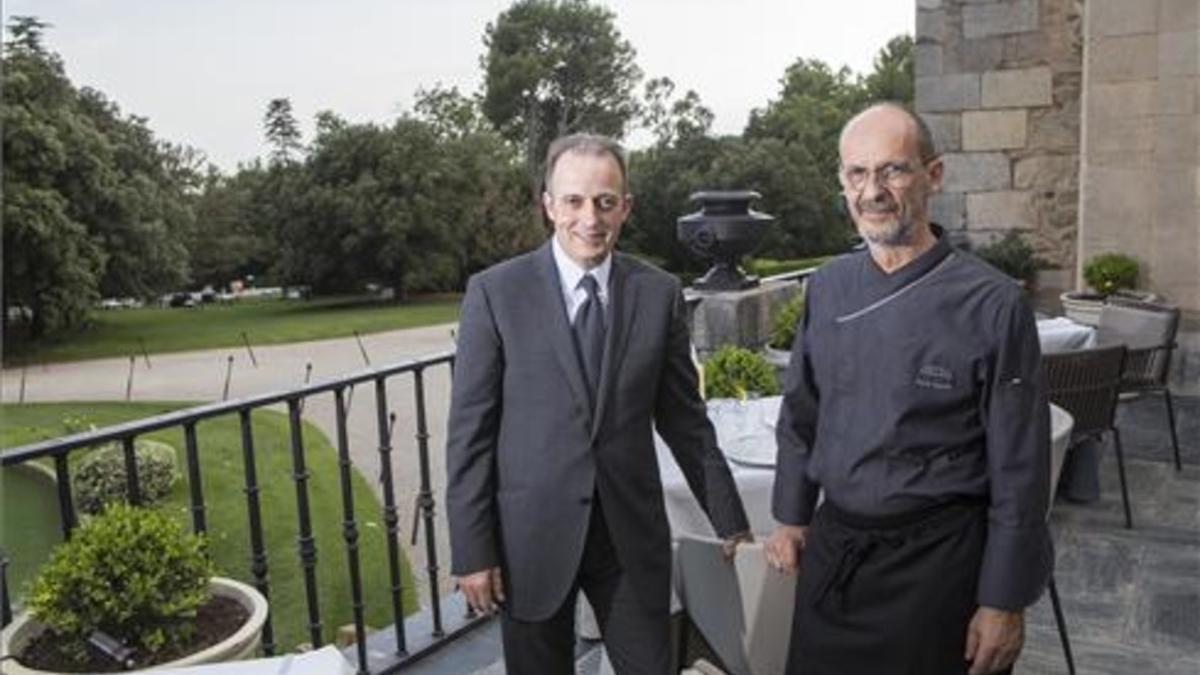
column 1008, row 209
column 1016, row 88
column 949, row 209
column 993, row 129
column 977, row 171
column 946, row 130
column 1055, row 128
column 1136, row 98
column 1175, row 140
column 742, row 318
column 927, row 59
column 1046, row 172
column 1178, row 14
column 1178, row 54
column 929, row 4
column 1117, row 200
column 1000, row 18
column 1120, row 135
column 931, row 25
column 1117, row 59
column 1121, row 17
column 947, row 92
column 974, row 56
column 1177, row 96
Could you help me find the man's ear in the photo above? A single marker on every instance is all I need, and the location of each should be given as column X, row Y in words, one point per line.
column 936, row 169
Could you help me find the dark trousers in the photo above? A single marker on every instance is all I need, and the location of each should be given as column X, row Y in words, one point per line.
column 636, row 639
column 891, row 595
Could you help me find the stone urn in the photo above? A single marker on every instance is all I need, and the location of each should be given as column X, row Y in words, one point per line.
column 723, row 230
column 242, row 645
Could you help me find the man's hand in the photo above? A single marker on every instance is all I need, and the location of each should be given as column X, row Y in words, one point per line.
column 730, row 544
column 785, row 547
column 484, row 590
column 994, row 639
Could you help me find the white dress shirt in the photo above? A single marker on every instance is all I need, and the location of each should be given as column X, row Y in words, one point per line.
column 570, row 274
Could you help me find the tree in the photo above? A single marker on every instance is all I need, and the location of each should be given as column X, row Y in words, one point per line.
column 892, row 77
column 553, row 68
column 283, row 133
column 671, row 119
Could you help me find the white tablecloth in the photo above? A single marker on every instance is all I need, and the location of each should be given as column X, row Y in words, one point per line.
column 1061, row 334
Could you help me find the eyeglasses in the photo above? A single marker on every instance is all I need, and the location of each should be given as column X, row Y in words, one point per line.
column 602, row 203
column 895, row 175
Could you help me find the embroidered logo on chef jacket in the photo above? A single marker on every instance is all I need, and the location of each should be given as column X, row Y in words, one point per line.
column 933, row 376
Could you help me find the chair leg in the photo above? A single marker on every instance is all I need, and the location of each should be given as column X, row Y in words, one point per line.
column 1061, row 621
column 1116, row 436
column 1171, row 421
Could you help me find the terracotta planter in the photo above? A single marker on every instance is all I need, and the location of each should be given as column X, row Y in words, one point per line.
column 240, row 646
column 1082, row 307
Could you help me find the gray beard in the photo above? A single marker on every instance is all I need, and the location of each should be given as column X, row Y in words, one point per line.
column 899, row 233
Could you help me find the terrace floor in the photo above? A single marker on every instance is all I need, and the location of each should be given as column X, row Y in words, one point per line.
column 1131, row 597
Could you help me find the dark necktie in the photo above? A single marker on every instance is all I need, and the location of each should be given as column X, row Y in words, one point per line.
column 589, row 333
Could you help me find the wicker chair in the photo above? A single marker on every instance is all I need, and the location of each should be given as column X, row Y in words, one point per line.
column 1148, row 331
column 1085, row 383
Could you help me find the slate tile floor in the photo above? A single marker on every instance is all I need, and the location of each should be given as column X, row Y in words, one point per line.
column 1131, row 597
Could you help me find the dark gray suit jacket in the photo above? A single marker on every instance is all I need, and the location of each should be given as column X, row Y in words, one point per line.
column 526, row 453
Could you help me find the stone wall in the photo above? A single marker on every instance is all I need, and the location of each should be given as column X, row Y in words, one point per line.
column 1139, row 150
column 998, row 82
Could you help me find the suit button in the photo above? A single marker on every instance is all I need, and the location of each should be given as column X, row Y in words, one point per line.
column 585, row 500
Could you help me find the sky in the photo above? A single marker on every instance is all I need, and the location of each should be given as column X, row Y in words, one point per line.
column 202, row 72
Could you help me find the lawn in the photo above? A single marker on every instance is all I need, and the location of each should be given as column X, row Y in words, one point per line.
column 264, row 321
column 221, row 467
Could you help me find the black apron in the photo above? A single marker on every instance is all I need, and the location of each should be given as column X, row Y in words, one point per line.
column 888, row 595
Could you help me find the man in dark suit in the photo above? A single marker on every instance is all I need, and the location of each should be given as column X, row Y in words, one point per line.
column 566, row 356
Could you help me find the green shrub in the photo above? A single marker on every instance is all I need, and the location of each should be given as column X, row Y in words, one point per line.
column 769, row 267
column 1111, row 272
column 100, row 478
column 131, row 572
column 736, row 372
column 786, row 321
column 1012, row 255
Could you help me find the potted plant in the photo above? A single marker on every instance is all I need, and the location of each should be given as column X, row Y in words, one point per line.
column 742, row 389
column 132, row 589
column 1106, row 274
column 1012, row 255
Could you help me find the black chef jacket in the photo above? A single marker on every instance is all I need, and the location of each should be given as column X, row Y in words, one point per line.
column 919, row 387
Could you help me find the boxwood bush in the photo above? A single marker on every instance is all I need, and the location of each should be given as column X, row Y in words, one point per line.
column 1108, row 273
column 737, row 372
column 100, row 477
column 131, row 572
column 786, row 322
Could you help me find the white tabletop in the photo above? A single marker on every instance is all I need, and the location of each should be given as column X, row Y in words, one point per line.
column 1061, row 334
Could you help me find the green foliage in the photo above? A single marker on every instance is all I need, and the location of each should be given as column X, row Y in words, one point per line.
column 282, row 130
column 554, row 67
column 892, row 77
column 133, row 573
column 100, row 478
column 736, row 372
column 769, row 267
column 1012, row 255
column 1108, row 273
column 786, row 322
column 93, row 203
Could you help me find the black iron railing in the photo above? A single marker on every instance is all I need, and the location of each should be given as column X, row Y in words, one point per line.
column 59, row 451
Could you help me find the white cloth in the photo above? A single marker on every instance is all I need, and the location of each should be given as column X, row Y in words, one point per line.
column 1061, row 334
column 570, row 274
column 325, row 661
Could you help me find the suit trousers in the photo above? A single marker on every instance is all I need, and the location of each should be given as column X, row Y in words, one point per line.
column 637, row 640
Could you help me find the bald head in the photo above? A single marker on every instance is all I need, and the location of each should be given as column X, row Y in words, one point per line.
column 892, row 118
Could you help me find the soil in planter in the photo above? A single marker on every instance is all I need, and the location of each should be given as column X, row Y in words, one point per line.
column 216, row 620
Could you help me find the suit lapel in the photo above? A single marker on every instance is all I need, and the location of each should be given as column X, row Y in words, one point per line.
column 555, row 315
column 622, row 303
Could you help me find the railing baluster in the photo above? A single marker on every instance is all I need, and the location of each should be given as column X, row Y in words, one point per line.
column 133, row 492
column 350, row 530
column 390, row 518
column 258, row 550
column 307, row 544
column 425, row 500
column 66, row 506
column 199, row 523
column 5, row 605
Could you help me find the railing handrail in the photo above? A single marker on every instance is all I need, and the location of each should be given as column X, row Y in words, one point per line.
column 794, row 275
column 65, row 444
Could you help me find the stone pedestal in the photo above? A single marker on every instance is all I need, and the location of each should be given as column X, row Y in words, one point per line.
column 742, row 318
